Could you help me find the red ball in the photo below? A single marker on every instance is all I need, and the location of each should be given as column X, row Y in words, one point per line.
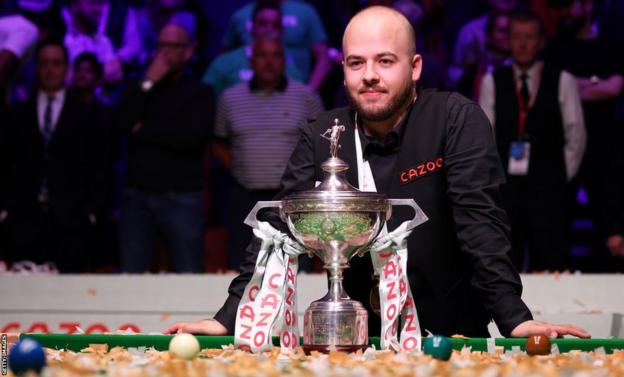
column 537, row 345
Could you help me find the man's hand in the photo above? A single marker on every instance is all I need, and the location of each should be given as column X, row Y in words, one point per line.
column 206, row 327
column 157, row 69
column 3, row 216
column 530, row 328
column 615, row 244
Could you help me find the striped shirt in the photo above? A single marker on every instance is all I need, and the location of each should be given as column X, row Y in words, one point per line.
column 263, row 129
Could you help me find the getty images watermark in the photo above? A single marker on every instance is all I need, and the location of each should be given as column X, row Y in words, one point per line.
column 5, row 360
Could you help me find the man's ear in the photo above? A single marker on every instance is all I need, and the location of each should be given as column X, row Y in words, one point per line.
column 416, row 67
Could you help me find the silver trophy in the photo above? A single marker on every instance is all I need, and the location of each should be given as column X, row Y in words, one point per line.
column 335, row 222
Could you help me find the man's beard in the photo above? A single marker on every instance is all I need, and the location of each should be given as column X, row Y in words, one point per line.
column 404, row 96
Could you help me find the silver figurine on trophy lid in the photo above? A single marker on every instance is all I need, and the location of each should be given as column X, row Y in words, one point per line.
column 336, row 221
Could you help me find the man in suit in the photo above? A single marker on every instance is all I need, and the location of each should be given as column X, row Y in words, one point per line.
column 54, row 176
column 534, row 106
column 436, row 148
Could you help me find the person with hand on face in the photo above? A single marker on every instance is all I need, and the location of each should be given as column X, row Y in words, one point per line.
column 458, row 265
column 167, row 117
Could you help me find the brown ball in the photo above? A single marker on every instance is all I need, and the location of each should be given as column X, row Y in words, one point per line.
column 537, row 345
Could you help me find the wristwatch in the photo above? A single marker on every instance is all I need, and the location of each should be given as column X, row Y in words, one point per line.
column 146, row 85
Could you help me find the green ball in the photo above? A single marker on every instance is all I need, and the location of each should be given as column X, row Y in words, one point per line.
column 438, row 347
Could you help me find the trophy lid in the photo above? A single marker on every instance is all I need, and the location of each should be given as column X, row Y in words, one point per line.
column 334, row 193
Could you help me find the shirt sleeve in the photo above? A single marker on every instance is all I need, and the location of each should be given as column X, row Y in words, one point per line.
column 487, row 98
column 573, row 123
column 474, row 173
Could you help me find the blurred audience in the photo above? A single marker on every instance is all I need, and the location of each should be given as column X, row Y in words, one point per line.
column 233, row 67
column 155, row 141
column 55, row 171
column 496, row 55
column 598, row 67
column 433, row 72
column 256, row 131
column 167, row 118
column 538, row 121
column 93, row 27
column 470, row 47
column 304, row 37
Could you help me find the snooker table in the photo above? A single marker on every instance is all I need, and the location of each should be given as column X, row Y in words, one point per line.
column 76, row 342
column 142, row 356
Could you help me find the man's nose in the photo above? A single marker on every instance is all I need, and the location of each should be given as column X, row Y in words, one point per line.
column 370, row 73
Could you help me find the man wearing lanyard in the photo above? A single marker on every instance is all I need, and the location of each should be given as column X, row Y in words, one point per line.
column 537, row 116
column 436, row 148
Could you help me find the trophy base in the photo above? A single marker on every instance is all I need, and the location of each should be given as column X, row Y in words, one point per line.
column 327, row 348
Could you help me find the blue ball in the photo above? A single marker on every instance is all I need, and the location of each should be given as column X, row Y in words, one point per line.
column 437, row 346
column 27, row 354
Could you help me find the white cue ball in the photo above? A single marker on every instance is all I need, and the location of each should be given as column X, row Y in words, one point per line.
column 184, row 346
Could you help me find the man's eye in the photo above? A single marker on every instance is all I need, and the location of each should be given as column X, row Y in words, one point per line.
column 385, row 61
column 355, row 64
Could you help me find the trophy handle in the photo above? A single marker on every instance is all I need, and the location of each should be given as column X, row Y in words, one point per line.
column 419, row 215
column 252, row 219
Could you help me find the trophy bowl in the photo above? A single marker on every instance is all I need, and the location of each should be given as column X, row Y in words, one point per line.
column 335, row 221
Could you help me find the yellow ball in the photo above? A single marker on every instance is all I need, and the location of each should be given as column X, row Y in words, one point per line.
column 184, row 346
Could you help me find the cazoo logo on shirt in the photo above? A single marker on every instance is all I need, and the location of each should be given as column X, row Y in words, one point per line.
column 420, row 170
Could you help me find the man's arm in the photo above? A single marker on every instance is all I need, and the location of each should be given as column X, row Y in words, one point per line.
column 487, row 98
column 317, row 40
column 609, row 88
column 573, row 123
column 322, row 65
column 474, row 174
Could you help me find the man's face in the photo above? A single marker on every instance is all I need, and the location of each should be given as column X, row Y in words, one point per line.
column 51, row 68
column 572, row 17
column 85, row 75
column 174, row 45
column 268, row 61
column 267, row 24
column 379, row 71
column 525, row 42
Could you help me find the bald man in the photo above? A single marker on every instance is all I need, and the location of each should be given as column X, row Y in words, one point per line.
column 167, row 117
column 434, row 147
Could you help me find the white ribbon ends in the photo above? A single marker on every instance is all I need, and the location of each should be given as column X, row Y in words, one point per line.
column 269, row 301
column 389, row 257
